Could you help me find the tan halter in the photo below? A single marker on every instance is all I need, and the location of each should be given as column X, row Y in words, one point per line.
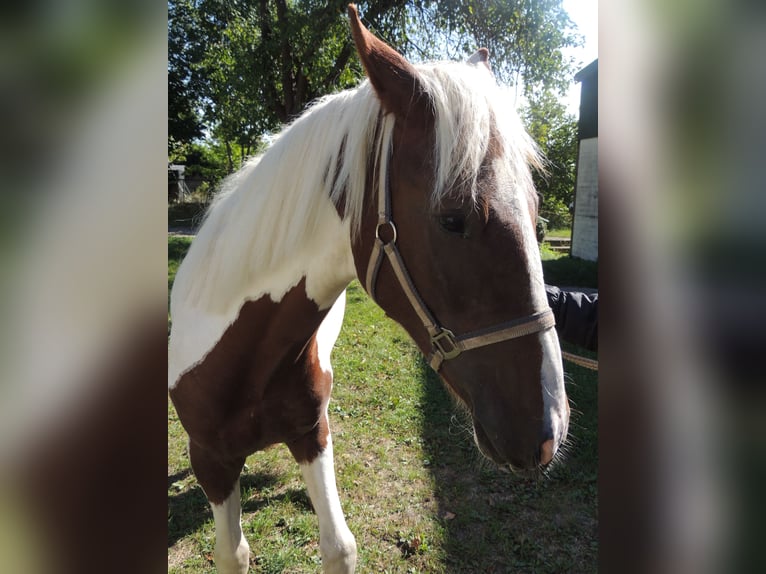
column 446, row 345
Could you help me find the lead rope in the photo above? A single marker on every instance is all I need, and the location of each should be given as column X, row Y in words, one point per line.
column 586, row 362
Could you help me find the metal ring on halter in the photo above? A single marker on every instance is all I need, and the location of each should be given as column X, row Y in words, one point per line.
column 377, row 231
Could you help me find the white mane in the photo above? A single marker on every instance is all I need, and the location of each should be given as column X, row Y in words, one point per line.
column 468, row 103
column 273, row 207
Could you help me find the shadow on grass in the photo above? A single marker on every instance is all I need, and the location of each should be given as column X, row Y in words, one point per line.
column 496, row 522
column 186, row 214
column 298, row 497
column 571, row 272
column 189, row 510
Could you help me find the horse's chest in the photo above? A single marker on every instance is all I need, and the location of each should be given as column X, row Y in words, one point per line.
column 261, row 382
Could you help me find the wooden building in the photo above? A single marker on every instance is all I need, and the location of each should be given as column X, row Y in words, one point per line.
column 585, row 220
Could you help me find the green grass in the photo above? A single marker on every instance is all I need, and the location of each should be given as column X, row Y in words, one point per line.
column 563, row 270
column 548, row 254
column 177, row 248
column 563, row 232
column 415, row 492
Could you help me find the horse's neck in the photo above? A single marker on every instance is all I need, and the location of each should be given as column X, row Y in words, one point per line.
column 324, row 260
column 310, row 277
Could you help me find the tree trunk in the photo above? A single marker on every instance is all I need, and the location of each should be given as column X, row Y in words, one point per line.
column 229, row 159
column 273, row 101
column 288, row 83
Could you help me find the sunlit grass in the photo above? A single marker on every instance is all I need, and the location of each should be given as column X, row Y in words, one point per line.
column 562, row 232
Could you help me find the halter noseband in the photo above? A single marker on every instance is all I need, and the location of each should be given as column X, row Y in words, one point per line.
column 446, row 345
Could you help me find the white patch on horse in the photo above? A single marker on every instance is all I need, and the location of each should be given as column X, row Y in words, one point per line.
column 555, row 406
column 328, row 332
column 324, row 260
column 336, row 542
column 555, row 411
column 232, row 553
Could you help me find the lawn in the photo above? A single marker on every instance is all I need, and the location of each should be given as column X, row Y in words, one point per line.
column 561, row 232
column 416, row 494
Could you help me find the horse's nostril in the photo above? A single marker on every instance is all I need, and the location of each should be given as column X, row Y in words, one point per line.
column 546, row 451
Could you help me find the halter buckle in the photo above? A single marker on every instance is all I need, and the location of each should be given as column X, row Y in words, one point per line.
column 451, row 350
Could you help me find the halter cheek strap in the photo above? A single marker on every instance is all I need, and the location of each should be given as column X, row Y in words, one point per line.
column 443, row 341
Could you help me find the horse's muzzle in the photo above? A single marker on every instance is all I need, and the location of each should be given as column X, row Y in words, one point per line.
column 518, row 458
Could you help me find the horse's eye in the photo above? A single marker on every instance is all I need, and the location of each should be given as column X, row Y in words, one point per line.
column 452, row 224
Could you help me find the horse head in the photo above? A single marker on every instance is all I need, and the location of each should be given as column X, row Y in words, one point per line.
column 447, row 246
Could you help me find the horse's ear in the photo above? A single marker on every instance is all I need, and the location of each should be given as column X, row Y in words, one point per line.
column 481, row 56
column 395, row 80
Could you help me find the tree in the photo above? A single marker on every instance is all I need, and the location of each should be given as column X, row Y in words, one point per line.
column 246, row 67
column 524, row 37
column 184, row 49
column 555, row 132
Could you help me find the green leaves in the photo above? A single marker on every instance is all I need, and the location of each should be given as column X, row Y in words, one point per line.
column 241, row 68
column 555, row 132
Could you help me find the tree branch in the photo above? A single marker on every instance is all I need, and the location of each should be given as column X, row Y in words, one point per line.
column 340, row 63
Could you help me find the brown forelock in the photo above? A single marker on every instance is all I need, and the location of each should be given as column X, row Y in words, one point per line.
column 334, row 171
column 467, row 283
column 261, row 384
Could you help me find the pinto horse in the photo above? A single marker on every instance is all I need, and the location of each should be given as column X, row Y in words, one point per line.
column 418, row 183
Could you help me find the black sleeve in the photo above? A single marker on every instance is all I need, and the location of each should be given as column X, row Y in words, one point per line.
column 576, row 316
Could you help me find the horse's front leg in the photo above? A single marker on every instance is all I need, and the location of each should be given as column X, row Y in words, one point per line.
column 219, row 479
column 336, row 542
column 314, row 453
